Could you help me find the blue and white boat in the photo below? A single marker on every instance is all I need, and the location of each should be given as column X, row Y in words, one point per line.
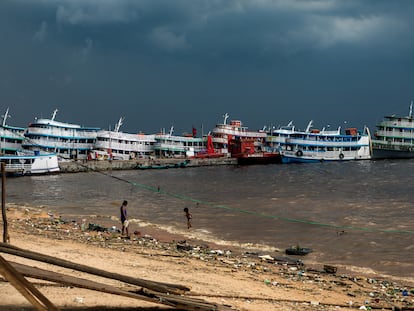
column 314, row 145
column 68, row 141
column 30, row 163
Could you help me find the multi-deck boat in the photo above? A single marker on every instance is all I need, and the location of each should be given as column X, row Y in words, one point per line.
column 11, row 137
column 116, row 145
column 394, row 137
column 313, row 145
column 171, row 146
column 68, row 141
column 223, row 137
column 30, row 163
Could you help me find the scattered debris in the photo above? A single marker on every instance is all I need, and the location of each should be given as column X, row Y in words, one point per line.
column 379, row 294
column 297, row 250
column 330, row 269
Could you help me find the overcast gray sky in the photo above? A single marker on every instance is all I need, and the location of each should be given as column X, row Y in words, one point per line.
column 185, row 63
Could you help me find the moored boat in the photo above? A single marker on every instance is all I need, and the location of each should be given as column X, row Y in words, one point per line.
column 30, row 163
column 163, row 165
column 394, row 137
column 11, row 137
column 116, row 145
column 168, row 145
column 225, row 135
column 246, row 153
column 67, row 140
column 314, row 145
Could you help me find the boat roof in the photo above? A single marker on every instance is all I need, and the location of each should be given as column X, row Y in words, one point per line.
column 32, row 156
column 62, row 124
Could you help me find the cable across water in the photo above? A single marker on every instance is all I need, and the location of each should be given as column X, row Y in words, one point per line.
column 250, row 212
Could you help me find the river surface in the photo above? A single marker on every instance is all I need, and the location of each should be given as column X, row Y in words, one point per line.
column 357, row 214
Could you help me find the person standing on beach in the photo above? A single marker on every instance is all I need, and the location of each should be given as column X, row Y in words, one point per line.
column 188, row 216
column 124, row 218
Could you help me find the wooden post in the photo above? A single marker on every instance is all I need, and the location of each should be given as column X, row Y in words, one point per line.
column 3, row 204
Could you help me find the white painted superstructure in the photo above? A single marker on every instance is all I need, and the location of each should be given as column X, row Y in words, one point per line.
column 117, row 145
column 223, row 134
column 394, row 137
column 314, row 145
column 11, row 137
column 67, row 140
column 169, row 145
column 30, row 164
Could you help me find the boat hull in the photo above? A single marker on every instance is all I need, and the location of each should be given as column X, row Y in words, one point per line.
column 392, row 154
column 305, row 157
column 259, row 159
column 21, row 165
column 394, row 137
column 163, row 166
column 287, row 160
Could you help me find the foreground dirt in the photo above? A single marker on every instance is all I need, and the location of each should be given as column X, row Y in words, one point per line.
column 229, row 277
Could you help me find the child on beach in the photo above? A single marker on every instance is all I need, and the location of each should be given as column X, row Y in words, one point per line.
column 188, row 216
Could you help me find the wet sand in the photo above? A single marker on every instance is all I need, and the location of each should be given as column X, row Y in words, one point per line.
column 236, row 278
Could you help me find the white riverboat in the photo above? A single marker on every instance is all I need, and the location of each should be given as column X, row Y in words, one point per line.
column 168, row 145
column 24, row 163
column 67, row 140
column 314, row 145
column 394, row 137
column 11, row 137
column 116, row 145
column 223, row 135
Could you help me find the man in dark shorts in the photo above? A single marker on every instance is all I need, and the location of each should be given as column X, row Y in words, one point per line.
column 124, row 218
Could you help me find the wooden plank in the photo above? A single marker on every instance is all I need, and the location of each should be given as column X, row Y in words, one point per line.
column 34, row 296
column 181, row 302
column 187, row 303
column 68, row 280
column 156, row 286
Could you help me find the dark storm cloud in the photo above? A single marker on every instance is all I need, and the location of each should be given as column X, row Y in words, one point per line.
column 185, row 63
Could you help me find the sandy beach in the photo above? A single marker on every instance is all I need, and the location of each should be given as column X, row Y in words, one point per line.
column 233, row 278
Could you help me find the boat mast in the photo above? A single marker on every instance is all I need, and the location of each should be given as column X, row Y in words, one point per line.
column 5, row 116
column 118, row 124
column 310, row 124
column 410, row 115
column 226, row 116
column 54, row 114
